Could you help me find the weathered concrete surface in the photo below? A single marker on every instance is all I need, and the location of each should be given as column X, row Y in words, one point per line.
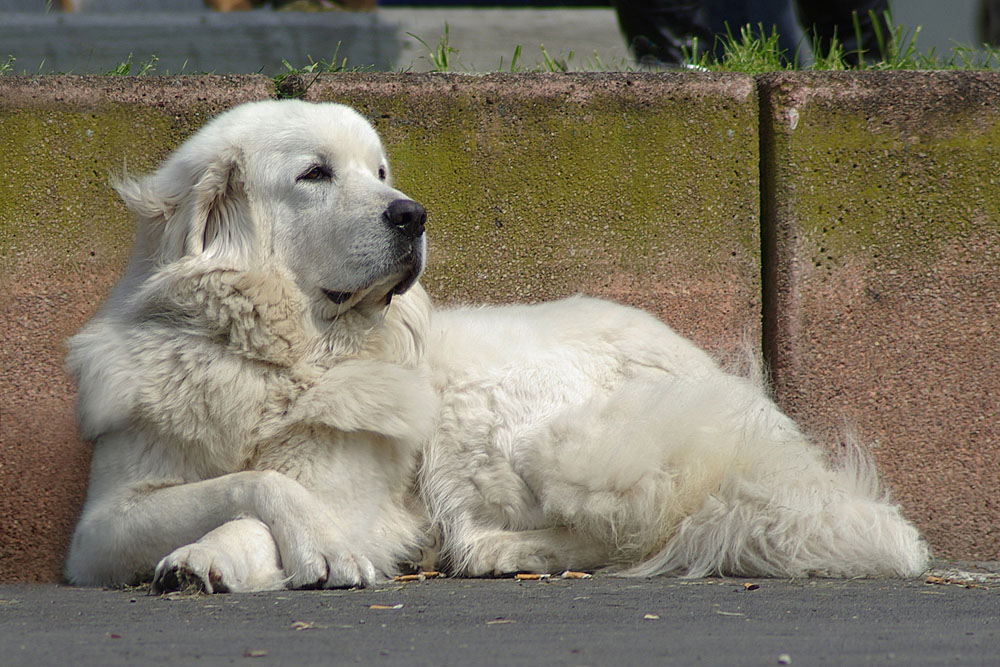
column 638, row 187
column 881, row 213
column 63, row 240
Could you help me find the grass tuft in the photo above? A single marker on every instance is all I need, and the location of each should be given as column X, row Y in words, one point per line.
column 439, row 56
column 125, row 68
column 754, row 51
column 334, row 65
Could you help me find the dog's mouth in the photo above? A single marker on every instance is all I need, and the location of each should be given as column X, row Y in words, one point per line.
column 408, row 281
column 337, row 297
column 379, row 293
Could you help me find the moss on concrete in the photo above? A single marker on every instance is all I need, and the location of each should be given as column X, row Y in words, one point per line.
column 54, row 190
column 62, row 138
column 533, row 189
column 507, row 168
column 894, row 163
column 890, row 193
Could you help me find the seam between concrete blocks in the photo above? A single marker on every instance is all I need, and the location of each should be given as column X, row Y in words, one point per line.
column 768, row 230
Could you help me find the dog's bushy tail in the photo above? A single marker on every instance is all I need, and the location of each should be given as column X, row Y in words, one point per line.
column 705, row 475
column 781, row 508
column 836, row 524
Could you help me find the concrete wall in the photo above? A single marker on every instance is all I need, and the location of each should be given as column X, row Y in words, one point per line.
column 882, row 290
column 880, row 205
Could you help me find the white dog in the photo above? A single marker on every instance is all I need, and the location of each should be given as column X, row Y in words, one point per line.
column 273, row 403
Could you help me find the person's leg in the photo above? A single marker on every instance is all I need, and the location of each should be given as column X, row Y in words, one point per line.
column 824, row 20
column 776, row 15
column 658, row 32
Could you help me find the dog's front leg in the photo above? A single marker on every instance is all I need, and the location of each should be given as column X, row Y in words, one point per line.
column 123, row 532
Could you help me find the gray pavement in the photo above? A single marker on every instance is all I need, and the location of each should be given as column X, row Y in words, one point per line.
column 597, row 621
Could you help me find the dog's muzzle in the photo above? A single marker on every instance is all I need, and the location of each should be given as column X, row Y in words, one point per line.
column 409, row 219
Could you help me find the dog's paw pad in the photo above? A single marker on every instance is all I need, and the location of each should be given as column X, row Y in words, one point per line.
column 180, row 579
column 191, row 569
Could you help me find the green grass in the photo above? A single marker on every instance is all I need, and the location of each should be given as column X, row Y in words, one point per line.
column 754, row 51
column 439, row 56
column 141, row 69
column 332, row 66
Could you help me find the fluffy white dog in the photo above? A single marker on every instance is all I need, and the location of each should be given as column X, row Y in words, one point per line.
column 274, row 403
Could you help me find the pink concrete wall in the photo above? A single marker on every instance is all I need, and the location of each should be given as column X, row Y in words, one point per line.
column 882, row 226
column 537, row 187
column 880, row 213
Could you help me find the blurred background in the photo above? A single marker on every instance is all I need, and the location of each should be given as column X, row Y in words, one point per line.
column 247, row 36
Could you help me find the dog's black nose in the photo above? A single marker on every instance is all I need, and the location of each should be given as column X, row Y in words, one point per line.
column 407, row 216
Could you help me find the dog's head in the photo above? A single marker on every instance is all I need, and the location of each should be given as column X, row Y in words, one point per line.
column 302, row 186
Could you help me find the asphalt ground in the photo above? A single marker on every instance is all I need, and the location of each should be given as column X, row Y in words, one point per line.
column 952, row 617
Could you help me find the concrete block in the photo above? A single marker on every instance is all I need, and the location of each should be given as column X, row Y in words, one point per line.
column 881, row 219
column 64, row 239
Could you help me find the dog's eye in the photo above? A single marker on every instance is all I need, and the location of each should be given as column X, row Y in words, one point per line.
column 381, row 173
column 316, row 173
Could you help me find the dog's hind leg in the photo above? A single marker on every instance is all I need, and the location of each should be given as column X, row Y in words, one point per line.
column 238, row 556
column 546, row 550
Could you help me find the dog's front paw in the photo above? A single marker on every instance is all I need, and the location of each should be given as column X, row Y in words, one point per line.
column 334, row 570
column 193, row 569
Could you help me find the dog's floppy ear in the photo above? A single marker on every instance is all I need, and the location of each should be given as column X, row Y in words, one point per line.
column 187, row 209
column 220, row 222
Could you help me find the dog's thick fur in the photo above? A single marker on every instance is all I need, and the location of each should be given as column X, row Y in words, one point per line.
column 274, row 403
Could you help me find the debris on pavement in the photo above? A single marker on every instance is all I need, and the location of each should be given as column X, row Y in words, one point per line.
column 420, row 576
